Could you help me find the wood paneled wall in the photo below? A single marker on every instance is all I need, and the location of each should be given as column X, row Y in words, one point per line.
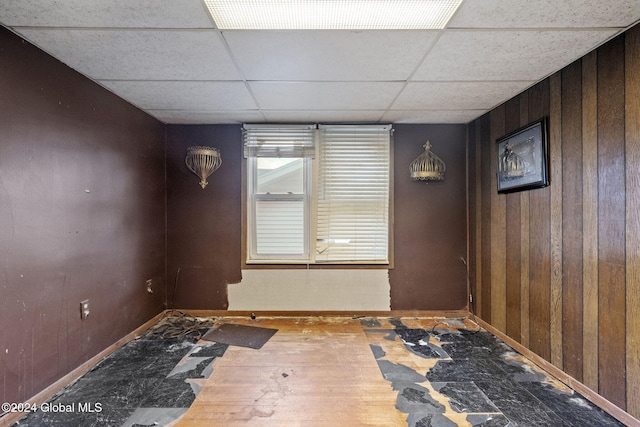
column 558, row 269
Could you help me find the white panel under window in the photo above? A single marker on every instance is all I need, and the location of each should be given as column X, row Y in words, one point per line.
column 353, row 194
column 311, row 289
column 280, row 228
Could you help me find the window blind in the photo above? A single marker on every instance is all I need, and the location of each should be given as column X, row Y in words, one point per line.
column 278, row 158
column 280, row 228
column 278, row 140
column 353, row 194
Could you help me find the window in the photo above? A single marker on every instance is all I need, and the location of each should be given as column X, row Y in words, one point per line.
column 318, row 195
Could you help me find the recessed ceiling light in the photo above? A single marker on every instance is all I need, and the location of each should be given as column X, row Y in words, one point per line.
column 331, row 14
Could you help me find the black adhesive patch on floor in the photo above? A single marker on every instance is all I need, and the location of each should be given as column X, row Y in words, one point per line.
column 415, row 399
column 488, row 420
column 466, row 370
column 211, row 350
column 178, row 328
column 417, row 341
column 370, row 323
column 484, row 378
column 378, row 352
column 429, row 420
column 193, row 368
column 240, row 335
column 76, row 418
column 170, row 393
column 134, row 378
column 465, row 397
column 399, row 375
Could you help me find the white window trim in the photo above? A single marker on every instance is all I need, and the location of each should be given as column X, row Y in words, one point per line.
column 252, row 256
column 311, row 170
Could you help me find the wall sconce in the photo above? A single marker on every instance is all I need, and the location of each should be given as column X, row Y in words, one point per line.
column 203, row 161
column 427, row 166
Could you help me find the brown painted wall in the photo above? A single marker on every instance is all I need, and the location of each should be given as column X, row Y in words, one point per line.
column 557, row 269
column 205, row 226
column 430, row 222
column 81, row 217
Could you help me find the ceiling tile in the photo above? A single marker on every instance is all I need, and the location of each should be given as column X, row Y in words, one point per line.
column 505, row 55
column 323, row 116
column 432, row 116
column 329, row 55
column 207, row 117
column 167, row 57
column 457, row 95
column 105, row 13
column 139, row 54
column 173, row 95
column 325, row 95
column 545, row 14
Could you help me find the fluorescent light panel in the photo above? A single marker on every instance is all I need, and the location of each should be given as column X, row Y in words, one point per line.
column 331, row 14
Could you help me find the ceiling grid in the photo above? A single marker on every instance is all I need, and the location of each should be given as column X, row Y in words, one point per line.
column 169, row 59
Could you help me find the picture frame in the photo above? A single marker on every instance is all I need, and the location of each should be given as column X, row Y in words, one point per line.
column 523, row 158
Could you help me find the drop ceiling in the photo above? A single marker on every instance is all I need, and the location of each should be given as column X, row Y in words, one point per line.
column 168, row 58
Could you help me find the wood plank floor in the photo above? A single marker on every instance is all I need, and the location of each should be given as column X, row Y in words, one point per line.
column 312, row 372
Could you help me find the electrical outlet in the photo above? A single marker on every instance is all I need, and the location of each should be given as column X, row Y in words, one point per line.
column 150, row 286
column 84, row 309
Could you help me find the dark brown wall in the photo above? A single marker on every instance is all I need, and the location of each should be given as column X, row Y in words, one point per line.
column 205, row 226
column 81, row 217
column 566, row 284
column 430, row 227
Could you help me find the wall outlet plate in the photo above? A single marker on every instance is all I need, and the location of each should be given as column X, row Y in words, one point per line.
column 150, row 286
column 84, row 309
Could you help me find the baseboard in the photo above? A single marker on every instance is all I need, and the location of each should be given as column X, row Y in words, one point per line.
column 48, row 392
column 616, row 412
column 346, row 313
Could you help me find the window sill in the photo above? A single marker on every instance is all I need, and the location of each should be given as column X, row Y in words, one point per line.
column 279, row 264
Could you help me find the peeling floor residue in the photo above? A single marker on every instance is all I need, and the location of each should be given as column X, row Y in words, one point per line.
column 441, row 372
column 450, row 373
column 151, row 381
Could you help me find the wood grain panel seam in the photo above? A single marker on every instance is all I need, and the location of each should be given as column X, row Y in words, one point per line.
column 555, row 148
column 478, row 285
column 632, row 158
column 611, row 222
column 498, row 230
column 590, row 221
column 524, row 245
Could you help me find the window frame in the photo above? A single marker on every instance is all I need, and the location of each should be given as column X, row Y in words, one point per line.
column 252, row 256
column 311, row 179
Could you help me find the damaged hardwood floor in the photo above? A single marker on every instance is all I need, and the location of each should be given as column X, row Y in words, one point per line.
column 313, row 371
column 320, row 371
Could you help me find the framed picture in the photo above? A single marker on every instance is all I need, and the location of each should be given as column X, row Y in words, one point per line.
column 523, row 159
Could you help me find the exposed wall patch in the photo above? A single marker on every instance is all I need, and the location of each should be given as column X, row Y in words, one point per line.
column 311, row 290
